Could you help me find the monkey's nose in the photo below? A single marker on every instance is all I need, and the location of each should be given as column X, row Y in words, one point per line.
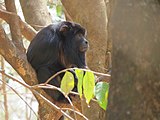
column 86, row 42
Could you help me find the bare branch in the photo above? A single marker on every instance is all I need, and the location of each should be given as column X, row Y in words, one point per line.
column 20, row 97
column 28, row 32
column 4, row 90
column 76, row 112
column 48, row 86
column 14, row 25
column 38, row 94
column 62, row 71
column 26, row 29
column 53, row 105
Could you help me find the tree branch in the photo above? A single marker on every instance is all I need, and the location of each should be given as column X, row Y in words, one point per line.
column 26, row 29
column 14, row 25
column 36, row 93
column 16, row 58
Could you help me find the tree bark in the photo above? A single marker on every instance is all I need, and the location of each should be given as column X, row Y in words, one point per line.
column 134, row 28
column 27, row 31
column 36, row 13
column 14, row 25
column 92, row 15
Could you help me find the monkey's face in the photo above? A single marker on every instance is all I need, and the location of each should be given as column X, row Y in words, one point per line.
column 81, row 43
column 74, row 44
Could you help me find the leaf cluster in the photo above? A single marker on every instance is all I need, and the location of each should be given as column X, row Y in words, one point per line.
column 86, row 87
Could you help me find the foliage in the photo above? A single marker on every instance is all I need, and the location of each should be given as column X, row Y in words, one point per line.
column 101, row 94
column 59, row 10
column 67, row 82
column 80, row 74
column 86, row 86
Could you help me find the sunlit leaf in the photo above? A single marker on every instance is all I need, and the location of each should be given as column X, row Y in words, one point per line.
column 101, row 94
column 67, row 83
column 79, row 74
column 59, row 10
column 88, row 86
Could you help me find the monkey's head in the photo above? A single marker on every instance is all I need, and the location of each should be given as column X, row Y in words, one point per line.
column 73, row 45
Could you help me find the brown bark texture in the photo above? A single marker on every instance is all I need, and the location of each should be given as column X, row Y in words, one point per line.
column 134, row 28
column 92, row 15
column 13, row 24
column 27, row 31
column 36, row 13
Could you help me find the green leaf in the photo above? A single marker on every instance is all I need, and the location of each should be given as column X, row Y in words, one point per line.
column 59, row 10
column 79, row 74
column 88, row 86
column 67, row 83
column 101, row 93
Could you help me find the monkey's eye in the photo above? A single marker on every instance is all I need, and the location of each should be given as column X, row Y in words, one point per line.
column 79, row 33
column 78, row 37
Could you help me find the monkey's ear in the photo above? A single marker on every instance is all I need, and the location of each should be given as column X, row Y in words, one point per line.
column 63, row 29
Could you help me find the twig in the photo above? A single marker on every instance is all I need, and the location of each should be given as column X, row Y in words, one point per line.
column 47, row 86
column 56, row 107
column 62, row 71
column 15, row 79
column 39, row 86
column 76, row 112
column 20, row 97
column 41, row 96
column 72, row 106
column 4, row 91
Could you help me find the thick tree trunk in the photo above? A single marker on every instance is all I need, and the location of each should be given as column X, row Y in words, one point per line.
column 92, row 15
column 36, row 13
column 135, row 31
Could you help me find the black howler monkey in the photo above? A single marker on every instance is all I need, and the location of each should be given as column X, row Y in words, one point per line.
column 56, row 47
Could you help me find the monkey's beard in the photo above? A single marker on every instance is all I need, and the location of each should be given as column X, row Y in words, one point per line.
column 83, row 48
column 76, row 60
